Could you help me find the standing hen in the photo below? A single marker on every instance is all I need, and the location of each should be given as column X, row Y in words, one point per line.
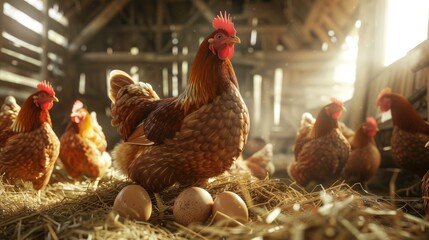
column 365, row 158
column 8, row 113
column 30, row 154
column 189, row 138
column 83, row 145
column 410, row 133
column 321, row 150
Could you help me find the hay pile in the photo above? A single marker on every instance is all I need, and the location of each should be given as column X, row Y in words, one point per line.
column 277, row 210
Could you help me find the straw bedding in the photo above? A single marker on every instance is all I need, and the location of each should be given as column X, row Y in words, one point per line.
column 277, row 210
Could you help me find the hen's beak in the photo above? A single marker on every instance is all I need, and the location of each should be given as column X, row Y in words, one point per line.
column 427, row 145
column 234, row 39
column 55, row 99
column 344, row 109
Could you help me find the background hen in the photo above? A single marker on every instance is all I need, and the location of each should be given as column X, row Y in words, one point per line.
column 321, row 150
column 30, row 154
column 8, row 113
column 188, row 138
column 259, row 164
column 83, row 145
column 365, row 158
column 410, row 133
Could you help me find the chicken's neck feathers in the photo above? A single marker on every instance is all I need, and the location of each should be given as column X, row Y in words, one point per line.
column 405, row 116
column 323, row 125
column 361, row 139
column 30, row 117
column 209, row 77
column 85, row 127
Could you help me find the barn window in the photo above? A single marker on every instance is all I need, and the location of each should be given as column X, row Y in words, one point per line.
column 21, row 18
column 278, row 79
column 406, row 27
column 82, row 83
column 165, row 82
column 134, row 71
column 257, row 97
column 184, row 68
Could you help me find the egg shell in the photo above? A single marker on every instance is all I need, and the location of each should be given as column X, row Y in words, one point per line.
column 230, row 204
column 133, row 202
column 192, row 205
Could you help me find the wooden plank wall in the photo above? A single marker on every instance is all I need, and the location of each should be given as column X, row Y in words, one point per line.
column 45, row 67
column 401, row 76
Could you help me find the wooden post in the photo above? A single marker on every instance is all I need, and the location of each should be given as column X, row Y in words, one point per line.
column 1, row 23
column 427, row 92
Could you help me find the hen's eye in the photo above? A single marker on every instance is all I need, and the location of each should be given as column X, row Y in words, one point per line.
column 219, row 36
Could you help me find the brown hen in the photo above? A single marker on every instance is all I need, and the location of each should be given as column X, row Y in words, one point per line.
column 410, row 133
column 184, row 139
column 83, row 145
column 30, row 154
column 259, row 164
column 365, row 158
column 321, row 150
column 8, row 113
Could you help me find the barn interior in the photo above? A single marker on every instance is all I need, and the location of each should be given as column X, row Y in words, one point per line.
column 294, row 56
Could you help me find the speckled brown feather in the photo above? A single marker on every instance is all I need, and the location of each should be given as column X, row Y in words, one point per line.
column 321, row 152
column 409, row 152
column 409, row 136
column 184, row 139
column 364, row 159
column 204, row 145
column 8, row 113
column 321, row 160
column 30, row 156
column 208, row 142
column 129, row 109
column 84, row 155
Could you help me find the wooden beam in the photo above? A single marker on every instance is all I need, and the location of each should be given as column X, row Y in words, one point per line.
column 272, row 28
column 188, row 24
column 256, row 58
column 1, row 23
column 19, row 31
column 26, row 8
column 80, row 5
column 96, row 25
column 159, row 21
column 204, row 9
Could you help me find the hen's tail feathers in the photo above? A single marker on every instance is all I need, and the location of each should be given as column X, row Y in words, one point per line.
column 266, row 153
column 118, row 79
column 10, row 104
column 307, row 120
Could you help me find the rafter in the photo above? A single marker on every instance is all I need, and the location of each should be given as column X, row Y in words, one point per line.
column 159, row 21
column 96, row 25
column 204, row 9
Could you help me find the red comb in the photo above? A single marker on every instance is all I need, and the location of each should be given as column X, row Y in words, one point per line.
column 382, row 93
column 77, row 105
column 337, row 101
column 371, row 121
column 46, row 87
column 224, row 22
